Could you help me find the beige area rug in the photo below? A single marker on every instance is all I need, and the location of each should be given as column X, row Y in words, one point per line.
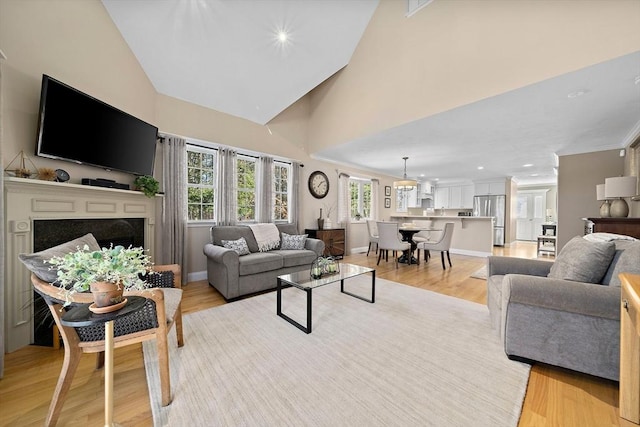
column 414, row 358
column 481, row 273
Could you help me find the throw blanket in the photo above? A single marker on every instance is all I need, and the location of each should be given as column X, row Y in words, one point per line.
column 606, row 237
column 267, row 236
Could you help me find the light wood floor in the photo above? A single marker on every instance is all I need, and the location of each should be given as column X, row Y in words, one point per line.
column 554, row 397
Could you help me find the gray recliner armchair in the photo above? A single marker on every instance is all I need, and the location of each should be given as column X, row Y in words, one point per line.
column 575, row 324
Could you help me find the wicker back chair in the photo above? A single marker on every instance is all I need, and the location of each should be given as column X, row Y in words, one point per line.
column 153, row 321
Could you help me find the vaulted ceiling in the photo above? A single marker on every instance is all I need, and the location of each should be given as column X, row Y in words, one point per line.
column 255, row 58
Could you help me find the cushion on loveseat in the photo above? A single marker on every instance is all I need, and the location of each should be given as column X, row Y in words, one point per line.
column 259, row 262
column 295, row 257
column 583, row 261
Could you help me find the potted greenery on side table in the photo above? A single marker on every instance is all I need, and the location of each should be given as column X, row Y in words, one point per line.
column 107, row 272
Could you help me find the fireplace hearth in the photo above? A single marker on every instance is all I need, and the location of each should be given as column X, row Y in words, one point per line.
column 41, row 214
column 51, row 232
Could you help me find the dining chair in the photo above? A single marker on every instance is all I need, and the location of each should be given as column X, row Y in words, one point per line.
column 154, row 321
column 388, row 240
column 442, row 245
column 423, row 235
column 372, row 228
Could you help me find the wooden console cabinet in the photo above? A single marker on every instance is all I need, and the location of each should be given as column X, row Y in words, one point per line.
column 333, row 238
column 626, row 226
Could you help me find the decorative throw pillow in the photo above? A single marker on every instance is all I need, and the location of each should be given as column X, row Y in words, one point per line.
column 36, row 262
column 293, row 241
column 240, row 246
column 625, row 260
column 583, row 261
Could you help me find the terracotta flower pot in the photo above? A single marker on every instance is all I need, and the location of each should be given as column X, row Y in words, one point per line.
column 106, row 294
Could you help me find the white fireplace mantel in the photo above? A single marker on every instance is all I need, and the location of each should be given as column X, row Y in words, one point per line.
column 27, row 200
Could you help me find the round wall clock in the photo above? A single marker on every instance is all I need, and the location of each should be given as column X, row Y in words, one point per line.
column 318, row 184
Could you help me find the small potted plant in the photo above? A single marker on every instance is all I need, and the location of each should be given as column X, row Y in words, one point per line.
column 107, row 273
column 147, row 184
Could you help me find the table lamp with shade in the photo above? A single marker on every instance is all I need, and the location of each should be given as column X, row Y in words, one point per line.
column 617, row 188
column 604, row 207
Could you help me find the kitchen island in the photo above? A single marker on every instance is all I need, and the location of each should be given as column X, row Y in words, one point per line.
column 472, row 235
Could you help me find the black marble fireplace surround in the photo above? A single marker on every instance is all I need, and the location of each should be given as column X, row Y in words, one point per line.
column 51, row 232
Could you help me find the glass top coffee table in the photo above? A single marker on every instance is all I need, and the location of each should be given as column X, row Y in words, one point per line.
column 303, row 281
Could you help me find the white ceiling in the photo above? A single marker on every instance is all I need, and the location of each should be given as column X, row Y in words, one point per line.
column 225, row 55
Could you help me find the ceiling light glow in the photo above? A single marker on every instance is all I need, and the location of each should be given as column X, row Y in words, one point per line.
column 480, row 168
column 528, row 165
column 637, row 80
column 282, row 36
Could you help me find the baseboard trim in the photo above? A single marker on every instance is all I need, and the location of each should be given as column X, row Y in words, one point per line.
column 197, row 276
column 470, row 253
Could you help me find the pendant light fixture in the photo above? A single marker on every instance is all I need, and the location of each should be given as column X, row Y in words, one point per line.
column 405, row 184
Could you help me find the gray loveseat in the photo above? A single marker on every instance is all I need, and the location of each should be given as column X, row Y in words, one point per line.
column 235, row 276
column 568, row 323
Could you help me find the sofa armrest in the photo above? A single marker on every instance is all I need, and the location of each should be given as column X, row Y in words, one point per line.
column 562, row 295
column 220, row 255
column 501, row 265
column 315, row 245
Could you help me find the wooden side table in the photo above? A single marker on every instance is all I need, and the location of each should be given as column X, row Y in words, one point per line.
column 630, row 348
column 82, row 316
column 333, row 238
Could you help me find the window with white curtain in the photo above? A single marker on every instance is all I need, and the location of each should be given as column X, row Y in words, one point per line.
column 360, row 198
column 201, row 183
column 202, row 186
column 246, row 188
column 281, row 190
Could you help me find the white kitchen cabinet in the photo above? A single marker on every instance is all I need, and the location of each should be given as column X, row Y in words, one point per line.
column 460, row 197
column 490, row 187
column 455, row 197
column 426, row 189
column 467, row 196
column 441, row 198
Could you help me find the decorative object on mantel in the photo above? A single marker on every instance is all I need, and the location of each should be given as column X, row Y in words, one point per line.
column 618, row 188
column 147, row 184
column 604, row 207
column 20, row 169
column 320, row 221
column 405, row 183
column 46, row 174
column 107, row 273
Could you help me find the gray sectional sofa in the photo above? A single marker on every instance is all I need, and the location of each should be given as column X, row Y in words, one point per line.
column 236, row 275
column 570, row 319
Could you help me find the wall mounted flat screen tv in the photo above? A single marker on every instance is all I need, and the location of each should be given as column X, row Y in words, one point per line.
column 76, row 127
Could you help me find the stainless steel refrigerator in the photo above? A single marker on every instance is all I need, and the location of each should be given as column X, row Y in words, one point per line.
column 492, row 206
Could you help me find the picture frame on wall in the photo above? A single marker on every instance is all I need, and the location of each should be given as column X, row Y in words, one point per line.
column 387, row 191
column 387, row 202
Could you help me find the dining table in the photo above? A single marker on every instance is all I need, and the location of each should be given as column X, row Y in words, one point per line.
column 407, row 233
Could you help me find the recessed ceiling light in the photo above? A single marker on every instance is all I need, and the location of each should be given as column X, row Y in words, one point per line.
column 436, row 179
column 528, row 165
column 534, row 174
column 576, row 94
column 282, row 36
column 480, row 168
column 421, row 174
